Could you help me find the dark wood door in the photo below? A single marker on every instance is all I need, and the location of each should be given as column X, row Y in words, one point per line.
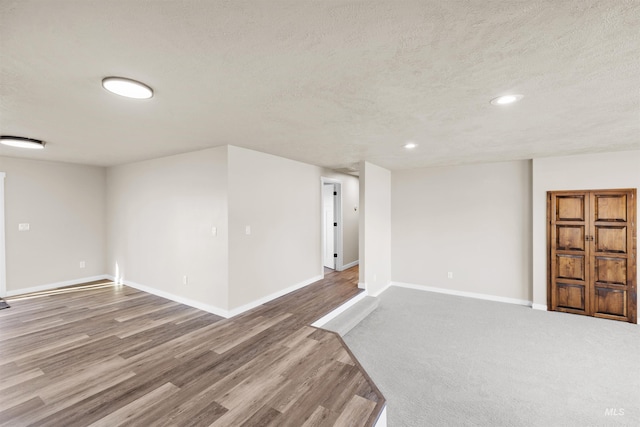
column 592, row 253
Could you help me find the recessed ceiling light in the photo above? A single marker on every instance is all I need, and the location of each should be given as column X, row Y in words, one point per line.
column 410, row 145
column 21, row 142
column 127, row 87
column 506, row 99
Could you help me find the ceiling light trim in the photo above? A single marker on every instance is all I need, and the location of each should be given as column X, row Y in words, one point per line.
column 22, row 142
column 126, row 87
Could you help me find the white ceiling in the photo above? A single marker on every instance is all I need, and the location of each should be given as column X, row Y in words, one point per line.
column 326, row 82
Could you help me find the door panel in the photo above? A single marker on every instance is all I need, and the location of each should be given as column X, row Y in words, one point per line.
column 610, row 302
column 570, row 208
column 568, row 257
column 613, row 250
column 610, row 208
column 611, row 239
column 571, row 297
column 570, row 266
column 592, row 253
column 570, row 237
column 610, row 271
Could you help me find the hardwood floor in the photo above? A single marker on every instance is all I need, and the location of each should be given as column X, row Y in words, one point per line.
column 112, row 355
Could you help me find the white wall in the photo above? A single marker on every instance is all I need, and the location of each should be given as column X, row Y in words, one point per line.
column 64, row 205
column 350, row 214
column 375, row 227
column 280, row 200
column 472, row 220
column 3, row 267
column 160, row 214
column 585, row 172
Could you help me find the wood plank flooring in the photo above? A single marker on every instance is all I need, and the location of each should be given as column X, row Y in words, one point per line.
column 114, row 356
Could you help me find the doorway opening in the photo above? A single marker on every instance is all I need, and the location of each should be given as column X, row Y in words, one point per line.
column 332, row 257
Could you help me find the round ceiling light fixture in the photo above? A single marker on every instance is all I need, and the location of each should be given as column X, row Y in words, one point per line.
column 410, row 145
column 21, row 142
column 127, row 87
column 506, row 99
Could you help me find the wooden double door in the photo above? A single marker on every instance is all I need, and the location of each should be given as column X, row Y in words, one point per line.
column 592, row 253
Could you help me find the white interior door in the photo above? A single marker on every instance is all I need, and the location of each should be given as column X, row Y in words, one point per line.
column 329, row 229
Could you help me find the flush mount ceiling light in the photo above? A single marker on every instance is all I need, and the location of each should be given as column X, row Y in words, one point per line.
column 21, row 142
column 410, row 145
column 506, row 99
column 127, row 87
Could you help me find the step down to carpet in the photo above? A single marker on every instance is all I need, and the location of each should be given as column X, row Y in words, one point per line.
column 346, row 321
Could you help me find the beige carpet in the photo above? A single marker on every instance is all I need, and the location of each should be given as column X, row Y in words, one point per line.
column 442, row 360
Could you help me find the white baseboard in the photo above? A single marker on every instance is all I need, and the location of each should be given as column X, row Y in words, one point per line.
column 182, row 300
column 364, row 286
column 463, row 293
column 349, row 265
column 341, row 309
column 382, row 419
column 265, row 299
column 542, row 307
column 50, row 286
column 377, row 294
column 211, row 308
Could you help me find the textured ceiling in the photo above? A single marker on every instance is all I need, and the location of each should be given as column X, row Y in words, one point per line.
column 325, row 82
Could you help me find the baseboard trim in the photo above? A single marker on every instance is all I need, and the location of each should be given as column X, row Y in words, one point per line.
column 270, row 297
column 382, row 419
column 364, row 286
column 50, row 286
column 176, row 298
column 173, row 297
column 463, row 293
column 339, row 310
column 349, row 265
column 542, row 307
column 387, row 286
column 211, row 308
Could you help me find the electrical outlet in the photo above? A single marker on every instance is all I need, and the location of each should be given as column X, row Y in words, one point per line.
column 83, row 264
column 24, row 227
column 185, row 280
column 450, row 275
column 247, row 230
